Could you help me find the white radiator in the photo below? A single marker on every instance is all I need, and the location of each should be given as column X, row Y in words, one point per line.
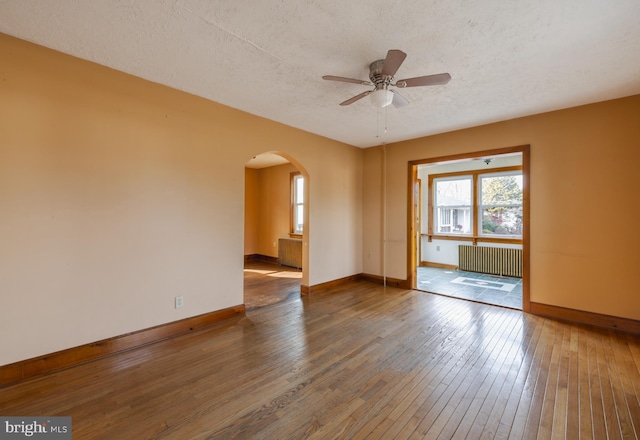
column 491, row 260
column 290, row 252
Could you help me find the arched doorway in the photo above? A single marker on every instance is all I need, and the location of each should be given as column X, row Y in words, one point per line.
column 276, row 229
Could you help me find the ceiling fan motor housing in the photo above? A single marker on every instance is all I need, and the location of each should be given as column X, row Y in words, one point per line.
column 377, row 78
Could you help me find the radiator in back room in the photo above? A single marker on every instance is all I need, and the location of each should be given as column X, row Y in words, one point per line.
column 490, row 260
column 290, row 252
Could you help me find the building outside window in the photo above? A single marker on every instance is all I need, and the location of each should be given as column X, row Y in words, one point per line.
column 453, row 203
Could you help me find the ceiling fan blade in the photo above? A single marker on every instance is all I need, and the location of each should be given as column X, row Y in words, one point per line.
column 399, row 101
column 347, row 80
column 392, row 62
column 355, row 98
column 429, row 80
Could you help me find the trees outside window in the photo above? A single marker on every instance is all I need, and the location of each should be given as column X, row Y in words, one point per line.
column 501, row 204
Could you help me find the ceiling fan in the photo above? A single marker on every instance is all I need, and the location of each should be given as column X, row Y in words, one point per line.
column 381, row 73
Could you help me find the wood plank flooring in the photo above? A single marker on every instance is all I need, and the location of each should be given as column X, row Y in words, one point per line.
column 267, row 283
column 356, row 362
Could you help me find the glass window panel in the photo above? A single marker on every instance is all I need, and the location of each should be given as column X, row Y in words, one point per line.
column 502, row 190
column 453, row 198
column 299, row 189
column 299, row 217
column 502, row 220
column 298, row 204
column 453, row 192
column 462, row 221
column 444, row 220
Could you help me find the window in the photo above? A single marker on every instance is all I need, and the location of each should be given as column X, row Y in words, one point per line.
column 501, row 204
column 453, row 202
column 480, row 204
column 297, row 204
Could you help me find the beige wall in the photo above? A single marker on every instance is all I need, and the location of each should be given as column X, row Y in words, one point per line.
column 267, row 208
column 275, row 201
column 584, row 191
column 118, row 194
column 251, row 210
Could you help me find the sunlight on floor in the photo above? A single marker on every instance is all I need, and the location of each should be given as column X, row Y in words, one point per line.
column 276, row 273
column 286, row 274
column 261, row 272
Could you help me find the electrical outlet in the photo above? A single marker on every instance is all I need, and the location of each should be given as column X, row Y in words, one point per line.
column 179, row 301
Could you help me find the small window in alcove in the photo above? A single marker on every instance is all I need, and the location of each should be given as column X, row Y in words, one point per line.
column 297, row 204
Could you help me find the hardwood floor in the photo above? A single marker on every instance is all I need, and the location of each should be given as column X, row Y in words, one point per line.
column 356, row 362
column 267, row 283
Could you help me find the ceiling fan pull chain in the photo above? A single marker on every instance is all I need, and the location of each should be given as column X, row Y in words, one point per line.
column 385, row 119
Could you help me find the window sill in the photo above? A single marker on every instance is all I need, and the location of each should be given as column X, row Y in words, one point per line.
column 474, row 239
column 294, row 235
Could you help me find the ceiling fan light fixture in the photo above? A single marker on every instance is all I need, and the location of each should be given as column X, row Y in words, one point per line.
column 381, row 98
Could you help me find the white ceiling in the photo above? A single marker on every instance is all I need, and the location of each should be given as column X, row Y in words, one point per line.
column 506, row 58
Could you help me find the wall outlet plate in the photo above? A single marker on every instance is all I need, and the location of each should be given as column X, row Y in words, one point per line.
column 179, row 301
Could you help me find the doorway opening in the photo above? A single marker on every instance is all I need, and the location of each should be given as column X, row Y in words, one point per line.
column 469, row 227
column 276, row 227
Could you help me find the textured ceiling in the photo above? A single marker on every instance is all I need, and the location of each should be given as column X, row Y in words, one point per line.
column 506, row 58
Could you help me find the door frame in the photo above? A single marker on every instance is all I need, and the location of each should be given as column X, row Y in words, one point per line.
column 413, row 229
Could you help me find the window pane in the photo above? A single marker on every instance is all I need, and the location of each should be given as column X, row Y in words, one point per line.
column 501, row 220
column 454, row 220
column 299, row 189
column 453, row 201
column 444, row 220
column 298, row 204
column 453, row 192
column 299, row 213
column 502, row 190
